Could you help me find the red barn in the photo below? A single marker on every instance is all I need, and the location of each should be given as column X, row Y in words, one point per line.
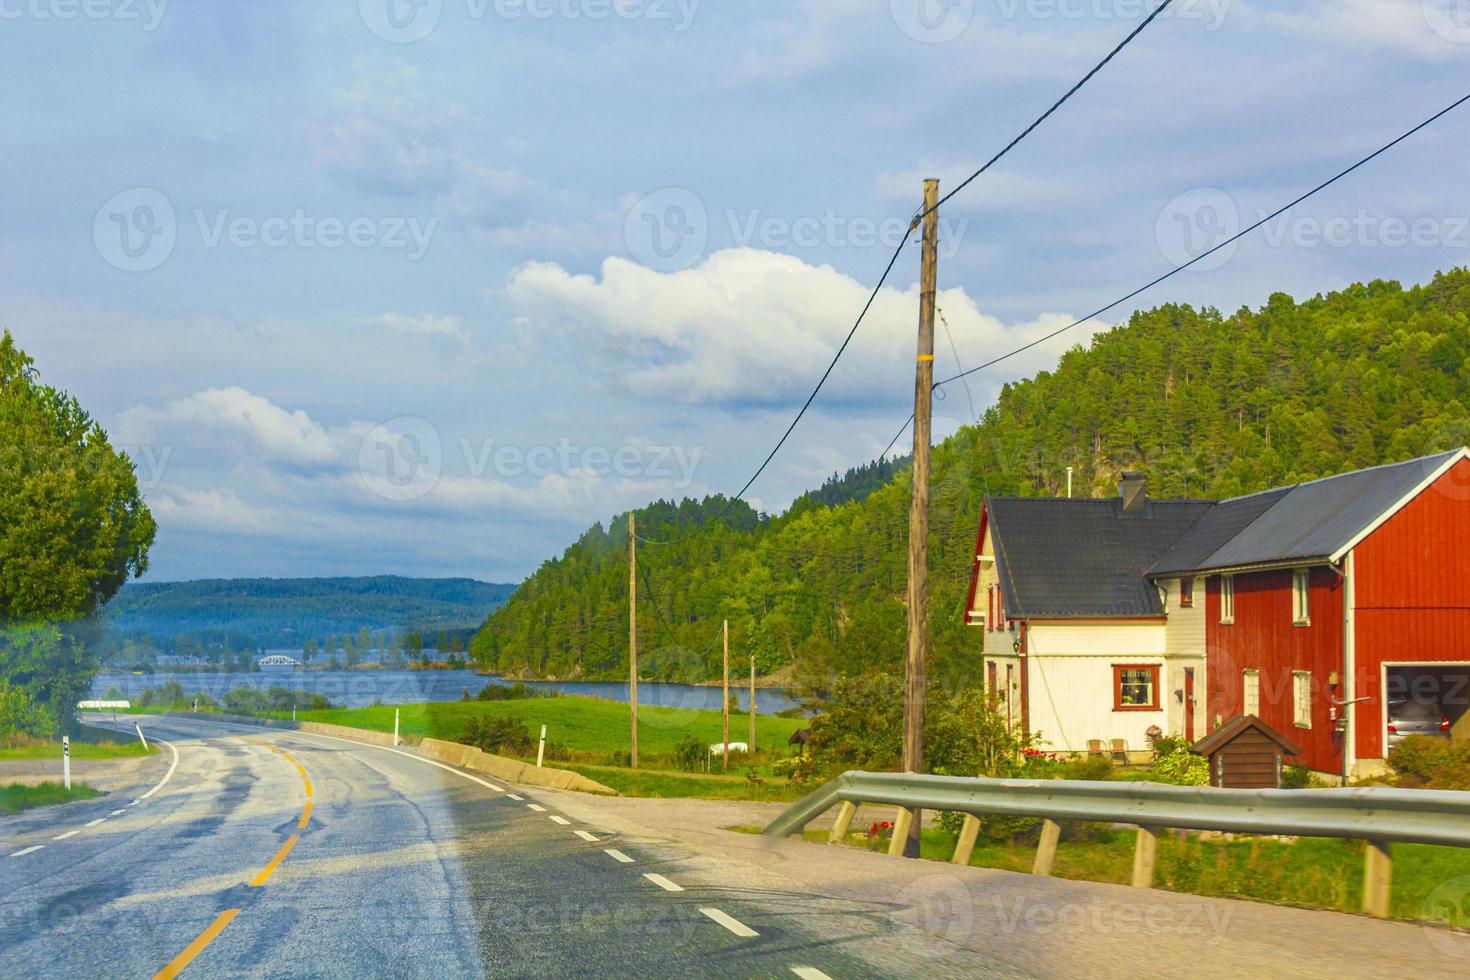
column 1337, row 611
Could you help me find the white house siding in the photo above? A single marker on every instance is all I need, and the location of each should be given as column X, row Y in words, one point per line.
column 1184, row 645
column 1071, row 682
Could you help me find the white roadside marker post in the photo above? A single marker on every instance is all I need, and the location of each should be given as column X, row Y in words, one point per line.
column 395, row 726
column 139, row 729
column 541, row 748
column 66, row 761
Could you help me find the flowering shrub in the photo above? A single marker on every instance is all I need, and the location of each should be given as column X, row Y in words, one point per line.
column 880, row 834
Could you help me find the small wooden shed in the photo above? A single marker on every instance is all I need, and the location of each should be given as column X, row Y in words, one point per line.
column 1245, row 753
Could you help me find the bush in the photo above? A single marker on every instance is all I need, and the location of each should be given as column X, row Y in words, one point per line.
column 1096, row 768
column 691, row 755
column 1296, row 777
column 1183, row 769
column 1425, row 762
column 796, row 768
column 501, row 736
column 518, row 691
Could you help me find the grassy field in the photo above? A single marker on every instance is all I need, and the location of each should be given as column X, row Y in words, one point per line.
column 581, row 724
column 92, row 743
column 1429, row 883
column 15, row 798
column 662, row 783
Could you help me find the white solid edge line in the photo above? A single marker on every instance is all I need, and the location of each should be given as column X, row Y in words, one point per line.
column 116, row 812
column 407, row 755
column 663, row 882
column 561, row 820
column 166, row 776
column 27, row 850
column 809, row 973
column 586, row 836
column 617, row 855
column 730, row 922
column 537, row 807
column 69, row 833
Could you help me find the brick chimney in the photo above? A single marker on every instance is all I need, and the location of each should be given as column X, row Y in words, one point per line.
column 1133, row 488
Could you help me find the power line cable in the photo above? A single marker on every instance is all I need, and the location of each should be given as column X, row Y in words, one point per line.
column 918, row 216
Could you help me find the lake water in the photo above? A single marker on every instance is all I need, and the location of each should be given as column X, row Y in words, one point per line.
column 356, row 688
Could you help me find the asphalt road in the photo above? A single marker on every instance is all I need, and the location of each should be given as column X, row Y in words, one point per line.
column 400, row 867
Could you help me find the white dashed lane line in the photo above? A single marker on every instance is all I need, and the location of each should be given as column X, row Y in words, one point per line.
column 512, row 796
column 69, row 833
column 586, row 836
column 561, row 820
column 663, row 883
column 93, row 823
column 617, row 855
column 809, row 973
column 27, row 850
column 538, row 808
column 730, row 922
column 116, row 812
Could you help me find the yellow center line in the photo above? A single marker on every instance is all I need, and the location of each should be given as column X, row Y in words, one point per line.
column 270, row 869
column 176, row 966
column 305, row 816
column 308, row 789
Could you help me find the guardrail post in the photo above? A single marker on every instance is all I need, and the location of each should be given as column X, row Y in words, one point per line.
column 1377, row 878
column 1145, row 852
column 845, row 813
column 1046, row 848
column 965, row 846
column 902, row 824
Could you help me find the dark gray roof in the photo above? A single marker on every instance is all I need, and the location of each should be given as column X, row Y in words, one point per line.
column 1076, row 558
column 1211, row 532
column 1313, row 521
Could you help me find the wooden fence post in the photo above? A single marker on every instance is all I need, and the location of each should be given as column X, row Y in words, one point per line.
column 903, row 822
column 965, row 846
column 844, row 821
column 1046, row 849
column 1145, row 852
column 1377, row 878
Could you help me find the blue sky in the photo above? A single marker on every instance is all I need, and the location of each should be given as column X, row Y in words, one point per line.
column 428, row 288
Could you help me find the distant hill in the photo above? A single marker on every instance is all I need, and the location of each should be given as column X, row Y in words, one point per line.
column 283, row 613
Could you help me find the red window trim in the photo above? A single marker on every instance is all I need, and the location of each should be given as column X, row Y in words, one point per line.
column 1186, row 592
column 1118, row 704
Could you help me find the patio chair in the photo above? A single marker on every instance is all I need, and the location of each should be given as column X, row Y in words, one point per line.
column 1094, row 748
column 1120, row 751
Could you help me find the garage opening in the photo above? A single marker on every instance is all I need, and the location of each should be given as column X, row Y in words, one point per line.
column 1428, row 699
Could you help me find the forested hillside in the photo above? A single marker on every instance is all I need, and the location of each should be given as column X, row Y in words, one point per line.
column 286, row 612
column 1207, row 404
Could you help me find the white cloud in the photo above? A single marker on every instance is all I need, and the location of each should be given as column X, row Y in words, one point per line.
column 214, row 509
column 751, row 326
column 1404, row 25
column 422, row 325
column 253, row 422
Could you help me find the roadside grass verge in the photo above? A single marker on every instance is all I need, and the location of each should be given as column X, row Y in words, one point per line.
column 91, row 743
column 1430, row 883
column 15, row 798
column 664, row 783
column 580, row 724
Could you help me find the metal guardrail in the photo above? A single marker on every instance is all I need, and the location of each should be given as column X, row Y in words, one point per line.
column 1379, row 816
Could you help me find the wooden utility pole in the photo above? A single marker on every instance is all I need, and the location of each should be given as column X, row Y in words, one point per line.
column 918, row 591
column 633, row 639
column 727, row 694
column 752, row 704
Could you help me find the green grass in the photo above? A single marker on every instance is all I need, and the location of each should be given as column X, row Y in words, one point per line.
column 703, row 786
column 1429, row 883
column 577, row 723
column 92, row 743
column 15, row 798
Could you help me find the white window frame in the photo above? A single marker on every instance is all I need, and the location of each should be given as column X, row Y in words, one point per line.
column 1301, row 698
column 1250, row 691
column 1227, row 599
column 1301, row 597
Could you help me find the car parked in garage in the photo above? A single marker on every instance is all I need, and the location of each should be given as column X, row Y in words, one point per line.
column 1408, row 716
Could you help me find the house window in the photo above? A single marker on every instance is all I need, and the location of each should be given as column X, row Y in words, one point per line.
column 1301, row 597
column 1135, row 687
column 1227, row 599
column 1251, row 692
column 1186, row 593
column 1301, row 697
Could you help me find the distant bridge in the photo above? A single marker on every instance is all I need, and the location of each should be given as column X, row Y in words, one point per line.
column 278, row 660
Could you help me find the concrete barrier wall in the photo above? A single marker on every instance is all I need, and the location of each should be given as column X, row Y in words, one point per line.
column 469, row 757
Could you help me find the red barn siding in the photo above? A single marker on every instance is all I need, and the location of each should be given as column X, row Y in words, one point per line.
column 1412, row 592
column 1264, row 637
